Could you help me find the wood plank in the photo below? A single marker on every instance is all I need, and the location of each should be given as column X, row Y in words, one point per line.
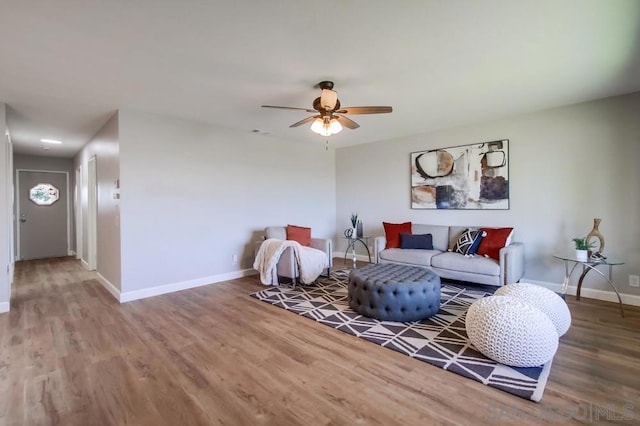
column 70, row 354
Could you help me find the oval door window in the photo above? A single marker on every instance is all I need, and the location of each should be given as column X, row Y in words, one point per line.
column 44, row 194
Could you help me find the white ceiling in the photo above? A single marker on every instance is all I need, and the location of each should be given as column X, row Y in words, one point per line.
column 66, row 66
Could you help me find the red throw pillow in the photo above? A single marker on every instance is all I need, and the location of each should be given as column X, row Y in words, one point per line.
column 495, row 239
column 299, row 234
column 393, row 230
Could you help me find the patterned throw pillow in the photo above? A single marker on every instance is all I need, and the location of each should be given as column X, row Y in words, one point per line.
column 468, row 242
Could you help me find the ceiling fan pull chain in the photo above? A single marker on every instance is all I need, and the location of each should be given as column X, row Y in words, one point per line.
column 326, row 147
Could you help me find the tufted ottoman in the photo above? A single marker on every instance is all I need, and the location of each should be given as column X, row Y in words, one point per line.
column 391, row 292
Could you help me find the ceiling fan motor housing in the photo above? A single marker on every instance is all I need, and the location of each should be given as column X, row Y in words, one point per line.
column 326, row 85
column 317, row 105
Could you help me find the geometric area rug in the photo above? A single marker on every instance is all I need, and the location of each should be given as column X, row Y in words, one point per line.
column 440, row 340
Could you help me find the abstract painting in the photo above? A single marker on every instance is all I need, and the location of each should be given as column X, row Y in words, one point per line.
column 463, row 177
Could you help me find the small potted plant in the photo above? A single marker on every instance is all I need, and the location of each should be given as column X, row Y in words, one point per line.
column 582, row 249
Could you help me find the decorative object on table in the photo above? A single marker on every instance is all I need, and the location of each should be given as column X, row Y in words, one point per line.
column 440, row 340
column 582, row 249
column 595, row 233
column 359, row 232
column 462, row 177
column 354, row 226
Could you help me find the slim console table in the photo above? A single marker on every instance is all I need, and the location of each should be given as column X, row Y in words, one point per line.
column 588, row 265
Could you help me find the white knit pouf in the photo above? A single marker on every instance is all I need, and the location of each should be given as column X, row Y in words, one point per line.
column 511, row 332
column 542, row 298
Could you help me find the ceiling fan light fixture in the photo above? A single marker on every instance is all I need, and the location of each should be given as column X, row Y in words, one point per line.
column 335, row 126
column 317, row 125
column 328, row 99
column 326, row 127
column 325, row 120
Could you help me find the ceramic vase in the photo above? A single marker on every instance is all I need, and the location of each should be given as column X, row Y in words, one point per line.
column 595, row 233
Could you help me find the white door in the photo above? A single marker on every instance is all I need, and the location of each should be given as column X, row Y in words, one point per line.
column 42, row 214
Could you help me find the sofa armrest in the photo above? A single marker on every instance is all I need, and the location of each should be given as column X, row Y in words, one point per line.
column 378, row 245
column 325, row 245
column 511, row 263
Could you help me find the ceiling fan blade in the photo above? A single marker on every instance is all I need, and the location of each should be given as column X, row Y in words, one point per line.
column 365, row 110
column 346, row 122
column 328, row 99
column 304, row 121
column 284, row 107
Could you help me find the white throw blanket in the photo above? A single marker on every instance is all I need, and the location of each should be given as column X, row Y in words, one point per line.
column 310, row 261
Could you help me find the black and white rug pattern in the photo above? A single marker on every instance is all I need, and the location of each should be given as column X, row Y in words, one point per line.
column 440, row 340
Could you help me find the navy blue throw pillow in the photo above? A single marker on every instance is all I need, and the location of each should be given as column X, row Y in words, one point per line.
column 416, row 241
column 476, row 243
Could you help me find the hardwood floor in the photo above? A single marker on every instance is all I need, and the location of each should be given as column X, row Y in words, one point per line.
column 71, row 355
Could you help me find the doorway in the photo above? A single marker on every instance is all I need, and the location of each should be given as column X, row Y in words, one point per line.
column 92, row 214
column 43, row 214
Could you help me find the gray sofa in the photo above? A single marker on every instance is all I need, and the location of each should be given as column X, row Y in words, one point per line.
column 476, row 269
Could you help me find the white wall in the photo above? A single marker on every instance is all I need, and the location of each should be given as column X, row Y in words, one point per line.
column 6, row 217
column 105, row 146
column 567, row 166
column 194, row 195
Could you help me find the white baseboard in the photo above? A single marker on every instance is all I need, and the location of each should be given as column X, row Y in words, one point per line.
column 362, row 257
column 115, row 292
column 607, row 296
column 85, row 264
column 183, row 285
column 4, row 307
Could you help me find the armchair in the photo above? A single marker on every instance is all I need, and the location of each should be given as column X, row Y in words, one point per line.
column 287, row 266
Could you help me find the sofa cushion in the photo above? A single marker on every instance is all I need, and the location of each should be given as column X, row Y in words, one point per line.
column 468, row 242
column 392, row 232
column 495, row 239
column 439, row 234
column 279, row 232
column 454, row 234
column 420, row 241
column 300, row 234
column 457, row 262
column 410, row 256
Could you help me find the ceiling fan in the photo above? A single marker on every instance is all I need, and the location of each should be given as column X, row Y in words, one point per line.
column 329, row 116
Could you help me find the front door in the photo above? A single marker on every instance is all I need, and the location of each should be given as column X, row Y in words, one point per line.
column 42, row 214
